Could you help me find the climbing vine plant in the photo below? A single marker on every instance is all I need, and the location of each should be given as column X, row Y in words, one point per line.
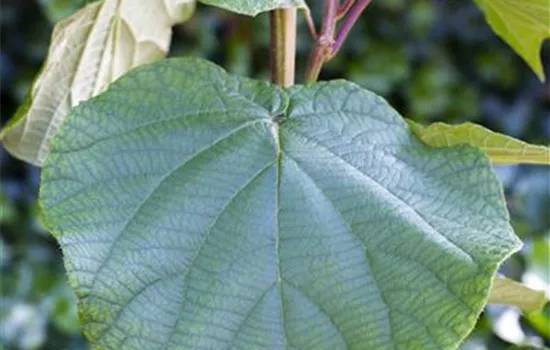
column 200, row 210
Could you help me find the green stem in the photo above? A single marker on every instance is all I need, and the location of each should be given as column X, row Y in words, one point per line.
column 283, row 46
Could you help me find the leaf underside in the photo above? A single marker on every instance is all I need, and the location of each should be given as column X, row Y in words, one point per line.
column 524, row 25
column 205, row 211
column 500, row 148
column 253, row 7
column 88, row 51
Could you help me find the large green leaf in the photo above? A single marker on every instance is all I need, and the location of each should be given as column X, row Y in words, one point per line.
column 88, row 51
column 501, row 149
column 204, row 211
column 253, row 7
column 523, row 24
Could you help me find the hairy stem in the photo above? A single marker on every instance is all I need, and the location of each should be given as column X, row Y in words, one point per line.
column 323, row 48
column 283, row 46
column 354, row 15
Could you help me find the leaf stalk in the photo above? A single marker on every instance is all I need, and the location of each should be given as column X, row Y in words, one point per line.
column 283, row 46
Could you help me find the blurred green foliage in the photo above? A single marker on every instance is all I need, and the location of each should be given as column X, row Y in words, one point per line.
column 434, row 60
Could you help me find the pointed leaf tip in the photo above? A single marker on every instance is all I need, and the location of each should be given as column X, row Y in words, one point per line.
column 524, row 25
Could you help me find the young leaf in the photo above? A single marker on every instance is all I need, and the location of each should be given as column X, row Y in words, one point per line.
column 508, row 292
column 253, row 7
column 88, row 51
column 200, row 210
column 501, row 149
column 524, row 25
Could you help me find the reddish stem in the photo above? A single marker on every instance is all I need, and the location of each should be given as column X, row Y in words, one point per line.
column 354, row 15
column 344, row 9
column 325, row 41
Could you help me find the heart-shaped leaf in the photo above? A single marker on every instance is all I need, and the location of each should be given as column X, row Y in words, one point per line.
column 88, row 51
column 500, row 148
column 523, row 24
column 205, row 211
column 253, row 7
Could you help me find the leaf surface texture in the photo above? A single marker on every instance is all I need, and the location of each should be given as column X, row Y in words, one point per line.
column 201, row 210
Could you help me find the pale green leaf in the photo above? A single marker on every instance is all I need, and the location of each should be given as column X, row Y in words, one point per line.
column 88, row 51
column 508, row 292
column 200, row 210
column 253, row 7
column 523, row 24
column 501, row 149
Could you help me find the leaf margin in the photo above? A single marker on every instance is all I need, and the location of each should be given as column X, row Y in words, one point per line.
column 249, row 10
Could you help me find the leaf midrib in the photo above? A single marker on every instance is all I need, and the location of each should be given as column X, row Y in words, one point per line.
column 368, row 259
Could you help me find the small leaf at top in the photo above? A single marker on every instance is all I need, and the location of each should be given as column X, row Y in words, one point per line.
column 508, row 292
column 88, row 51
column 501, row 149
column 253, row 7
column 523, row 24
column 199, row 210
